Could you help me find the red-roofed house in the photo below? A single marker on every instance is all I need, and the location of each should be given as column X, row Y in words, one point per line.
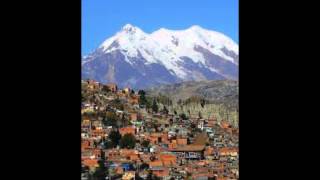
column 127, row 130
column 91, row 163
column 182, row 141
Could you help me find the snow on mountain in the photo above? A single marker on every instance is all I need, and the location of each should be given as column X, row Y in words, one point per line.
column 191, row 54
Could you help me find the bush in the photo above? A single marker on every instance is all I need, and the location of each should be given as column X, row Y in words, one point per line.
column 128, row 141
column 145, row 143
column 183, row 116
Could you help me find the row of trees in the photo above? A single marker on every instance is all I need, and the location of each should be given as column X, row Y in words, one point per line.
column 193, row 99
column 152, row 103
column 126, row 141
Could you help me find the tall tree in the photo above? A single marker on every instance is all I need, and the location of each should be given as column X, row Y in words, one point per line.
column 115, row 137
column 102, row 171
column 155, row 107
column 128, row 141
column 165, row 110
column 183, row 116
column 142, row 99
column 200, row 115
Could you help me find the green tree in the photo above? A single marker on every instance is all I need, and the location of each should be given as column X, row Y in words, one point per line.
column 155, row 107
column 165, row 110
column 110, row 119
column 151, row 176
column 141, row 92
column 115, row 137
column 149, row 102
column 145, row 143
column 106, row 89
column 128, row 141
column 117, row 104
column 144, row 166
column 175, row 112
column 142, row 99
column 202, row 103
column 183, row 116
column 83, row 97
column 102, row 171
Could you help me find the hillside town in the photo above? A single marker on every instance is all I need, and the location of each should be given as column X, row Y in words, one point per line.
column 126, row 134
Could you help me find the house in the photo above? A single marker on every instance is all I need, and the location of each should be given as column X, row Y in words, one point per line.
column 201, row 124
column 145, row 157
column 129, row 154
column 98, row 133
column 134, row 99
column 91, row 163
column 86, row 144
column 113, row 87
column 112, row 154
column 84, row 135
column 128, row 175
column 164, row 138
column 127, row 90
column 158, row 169
column 208, row 151
column 133, row 116
column 202, row 176
column 211, row 123
column 155, row 138
column 162, row 173
column 168, row 160
column 181, row 141
column 173, row 144
column 191, row 151
column 228, row 152
column 127, row 130
column 85, row 125
column 93, row 85
column 225, row 125
column 86, row 154
column 96, row 153
column 119, row 170
column 88, row 108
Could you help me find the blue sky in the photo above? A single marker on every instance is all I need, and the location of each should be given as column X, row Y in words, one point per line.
column 103, row 18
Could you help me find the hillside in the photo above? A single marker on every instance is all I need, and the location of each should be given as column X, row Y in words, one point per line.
column 215, row 91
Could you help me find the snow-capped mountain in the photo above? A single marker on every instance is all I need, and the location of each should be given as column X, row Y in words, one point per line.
column 137, row 59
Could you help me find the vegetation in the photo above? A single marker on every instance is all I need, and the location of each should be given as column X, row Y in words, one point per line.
column 142, row 99
column 111, row 119
column 117, row 104
column 145, row 143
column 152, row 176
column 128, row 141
column 155, row 107
column 183, row 116
column 165, row 110
column 165, row 100
column 115, row 137
column 102, row 171
column 105, row 89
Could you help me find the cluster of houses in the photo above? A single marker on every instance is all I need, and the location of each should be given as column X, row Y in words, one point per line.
column 176, row 149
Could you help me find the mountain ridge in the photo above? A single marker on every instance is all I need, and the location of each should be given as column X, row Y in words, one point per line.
column 162, row 57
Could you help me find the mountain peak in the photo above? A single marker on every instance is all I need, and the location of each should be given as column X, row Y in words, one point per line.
column 129, row 28
column 195, row 27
